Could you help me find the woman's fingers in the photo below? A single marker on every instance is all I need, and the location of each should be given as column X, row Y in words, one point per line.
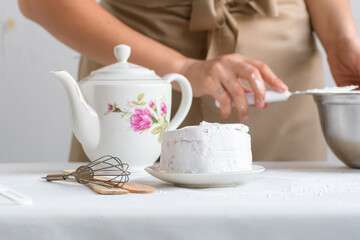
column 269, row 76
column 220, row 94
column 250, row 73
column 246, row 88
column 226, row 98
column 239, row 100
column 221, row 78
column 224, row 77
column 237, row 93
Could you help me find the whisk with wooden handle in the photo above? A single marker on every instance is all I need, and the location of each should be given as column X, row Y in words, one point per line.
column 94, row 172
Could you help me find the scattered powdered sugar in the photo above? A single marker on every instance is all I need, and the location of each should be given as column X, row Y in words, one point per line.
column 340, row 186
column 162, row 192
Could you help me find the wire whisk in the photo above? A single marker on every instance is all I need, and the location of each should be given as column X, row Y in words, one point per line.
column 106, row 171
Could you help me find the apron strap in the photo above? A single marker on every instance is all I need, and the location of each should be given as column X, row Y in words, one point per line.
column 216, row 17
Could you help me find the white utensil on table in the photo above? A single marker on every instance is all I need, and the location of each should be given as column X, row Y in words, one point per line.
column 15, row 196
column 272, row 96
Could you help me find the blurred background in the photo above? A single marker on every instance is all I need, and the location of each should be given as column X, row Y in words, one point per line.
column 34, row 114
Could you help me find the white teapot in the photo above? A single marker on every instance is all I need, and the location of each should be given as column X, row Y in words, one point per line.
column 123, row 109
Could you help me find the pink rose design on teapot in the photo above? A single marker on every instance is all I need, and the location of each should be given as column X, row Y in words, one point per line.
column 151, row 104
column 141, row 120
column 163, row 108
column 142, row 116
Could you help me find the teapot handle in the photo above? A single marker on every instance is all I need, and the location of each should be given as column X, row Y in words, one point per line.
column 186, row 98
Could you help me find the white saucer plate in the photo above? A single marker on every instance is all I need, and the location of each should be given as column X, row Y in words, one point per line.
column 204, row 180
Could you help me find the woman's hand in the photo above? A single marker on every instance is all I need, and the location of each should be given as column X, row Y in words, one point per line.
column 344, row 61
column 221, row 78
column 335, row 26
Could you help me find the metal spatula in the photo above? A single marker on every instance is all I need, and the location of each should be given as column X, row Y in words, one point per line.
column 272, row 96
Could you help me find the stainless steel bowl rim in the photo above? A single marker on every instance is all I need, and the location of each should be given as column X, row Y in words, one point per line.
column 337, row 98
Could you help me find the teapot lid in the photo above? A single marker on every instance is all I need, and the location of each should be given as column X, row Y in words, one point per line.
column 122, row 70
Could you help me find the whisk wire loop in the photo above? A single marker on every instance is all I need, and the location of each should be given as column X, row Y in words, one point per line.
column 106, row 171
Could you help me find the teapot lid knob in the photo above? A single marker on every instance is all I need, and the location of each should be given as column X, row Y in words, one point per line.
column 122, row 52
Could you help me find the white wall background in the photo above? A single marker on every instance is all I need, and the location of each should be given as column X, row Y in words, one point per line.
column 34, row 115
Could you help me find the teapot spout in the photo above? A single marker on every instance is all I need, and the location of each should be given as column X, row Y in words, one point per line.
column 85, row 121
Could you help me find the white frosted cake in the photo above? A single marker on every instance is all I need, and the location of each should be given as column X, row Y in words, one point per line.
column 207, row 148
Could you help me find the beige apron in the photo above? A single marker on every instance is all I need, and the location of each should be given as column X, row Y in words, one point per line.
column 277, row 32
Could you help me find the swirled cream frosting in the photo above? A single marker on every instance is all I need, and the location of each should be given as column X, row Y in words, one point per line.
column 207, row 148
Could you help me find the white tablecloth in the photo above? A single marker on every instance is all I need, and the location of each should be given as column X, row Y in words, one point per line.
column 287, row 201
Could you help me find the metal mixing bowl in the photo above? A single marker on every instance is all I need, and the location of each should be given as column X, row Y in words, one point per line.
column 340, row 122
